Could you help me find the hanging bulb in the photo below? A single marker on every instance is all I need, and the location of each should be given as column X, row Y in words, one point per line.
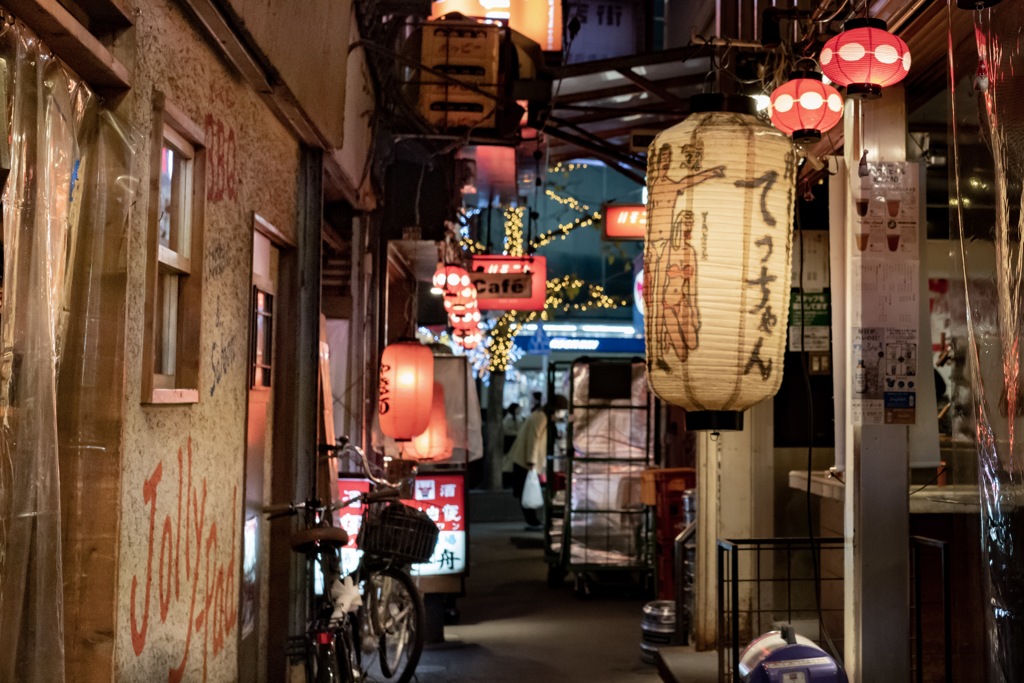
column 862, row 168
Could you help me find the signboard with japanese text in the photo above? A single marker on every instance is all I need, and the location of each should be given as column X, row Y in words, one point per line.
column 625, row 221
column 809, row 322
column 441, row 496
column 485, row 267
column 538, row 20
column 608, row 28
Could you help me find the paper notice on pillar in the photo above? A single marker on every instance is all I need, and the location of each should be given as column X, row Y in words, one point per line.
column 809, row 322
column 884, row 223
column 868, row 349
column 810, row 258
column 900, row 376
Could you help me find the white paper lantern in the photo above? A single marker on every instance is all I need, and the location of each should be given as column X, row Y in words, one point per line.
column 721, row 189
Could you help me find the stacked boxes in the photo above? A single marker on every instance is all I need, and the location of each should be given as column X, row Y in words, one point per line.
column 466, row 50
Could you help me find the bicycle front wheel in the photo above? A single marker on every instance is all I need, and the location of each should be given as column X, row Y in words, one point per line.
column 394, row 626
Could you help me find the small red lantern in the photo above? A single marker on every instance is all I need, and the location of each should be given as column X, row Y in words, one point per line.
column 406, row 389
column 865, row 58
column 450, row 277
column 804, row 107
column 433, row 443
column 461, row 301
column 468, row 321
column 467, row 340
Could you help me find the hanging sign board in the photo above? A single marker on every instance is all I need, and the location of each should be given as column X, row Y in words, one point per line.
column 625, row 221
column 495, row 279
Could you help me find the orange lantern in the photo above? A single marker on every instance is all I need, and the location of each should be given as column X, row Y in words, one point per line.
column 433, row 443
column 406, row 389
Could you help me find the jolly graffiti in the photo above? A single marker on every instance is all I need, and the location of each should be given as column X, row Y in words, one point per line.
column 192, row 567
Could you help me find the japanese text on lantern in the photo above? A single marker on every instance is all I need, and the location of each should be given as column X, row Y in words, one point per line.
column 763, row 280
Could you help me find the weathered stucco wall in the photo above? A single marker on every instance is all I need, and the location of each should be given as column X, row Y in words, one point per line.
column 182, row 470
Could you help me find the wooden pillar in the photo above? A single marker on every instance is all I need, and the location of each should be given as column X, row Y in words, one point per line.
column 874, row 456
column 735, row 500
column 296, row 420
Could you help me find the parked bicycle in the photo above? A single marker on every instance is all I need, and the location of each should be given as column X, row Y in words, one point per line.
column 368, row 626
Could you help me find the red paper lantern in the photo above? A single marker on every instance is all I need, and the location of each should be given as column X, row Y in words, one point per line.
column 461, row 301
column 406, row 389
column 865, row 58
column 804, row 107
column 467, row 340
column 433, row 443
column 468, row 321
column 449, row 277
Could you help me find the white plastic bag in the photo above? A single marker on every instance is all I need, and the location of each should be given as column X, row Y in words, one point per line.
column 532, row 498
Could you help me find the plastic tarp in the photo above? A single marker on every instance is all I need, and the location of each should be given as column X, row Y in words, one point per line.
column 988, row 207
column 51, row 281
column 609, row 454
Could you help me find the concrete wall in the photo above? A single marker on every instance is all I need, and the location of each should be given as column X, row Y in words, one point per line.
column 182, row 466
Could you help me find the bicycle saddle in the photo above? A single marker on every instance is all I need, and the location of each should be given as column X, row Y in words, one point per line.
column 309, row 541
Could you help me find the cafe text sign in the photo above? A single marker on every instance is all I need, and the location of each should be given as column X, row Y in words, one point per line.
column 503, row 285
column 625, row 221
column 501, row 282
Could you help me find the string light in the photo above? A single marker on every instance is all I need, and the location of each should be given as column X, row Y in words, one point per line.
column 472, row 246
column 563, row 230
column 514, row 230
column 562, row 295
column 571, row 202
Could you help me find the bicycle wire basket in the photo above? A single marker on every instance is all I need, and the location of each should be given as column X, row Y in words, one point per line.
column 397, row 532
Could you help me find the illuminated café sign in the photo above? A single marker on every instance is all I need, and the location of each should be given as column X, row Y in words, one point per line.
column 503, row 285
column 494, row 278
column 538, row 20
column 441, row 496
column 625, row 221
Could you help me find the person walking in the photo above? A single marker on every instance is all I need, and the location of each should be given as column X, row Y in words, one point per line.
column 530, row 449
column 510, row 424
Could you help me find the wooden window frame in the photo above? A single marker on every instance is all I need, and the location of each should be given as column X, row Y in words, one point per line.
column 171, row 125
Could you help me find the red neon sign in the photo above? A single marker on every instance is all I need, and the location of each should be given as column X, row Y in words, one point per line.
column 625, row 221
column 441, row 496
column 489, row 294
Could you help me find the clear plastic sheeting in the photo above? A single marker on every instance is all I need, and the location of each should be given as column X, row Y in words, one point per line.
column 609, row 451
column 47, row 109
column 986, row 200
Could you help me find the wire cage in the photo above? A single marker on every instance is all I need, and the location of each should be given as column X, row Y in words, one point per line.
column 766, row 582
column 607, row 525
column 397, row 533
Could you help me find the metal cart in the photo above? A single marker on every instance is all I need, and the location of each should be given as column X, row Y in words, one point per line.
column 605, row 530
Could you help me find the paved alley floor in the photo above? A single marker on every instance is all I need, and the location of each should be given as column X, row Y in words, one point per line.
column 513, row 627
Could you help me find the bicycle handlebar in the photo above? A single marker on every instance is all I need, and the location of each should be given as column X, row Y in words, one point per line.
column 345, row 445
column 388, row 490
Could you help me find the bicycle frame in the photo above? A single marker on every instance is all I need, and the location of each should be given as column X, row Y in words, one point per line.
column 332, row 654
